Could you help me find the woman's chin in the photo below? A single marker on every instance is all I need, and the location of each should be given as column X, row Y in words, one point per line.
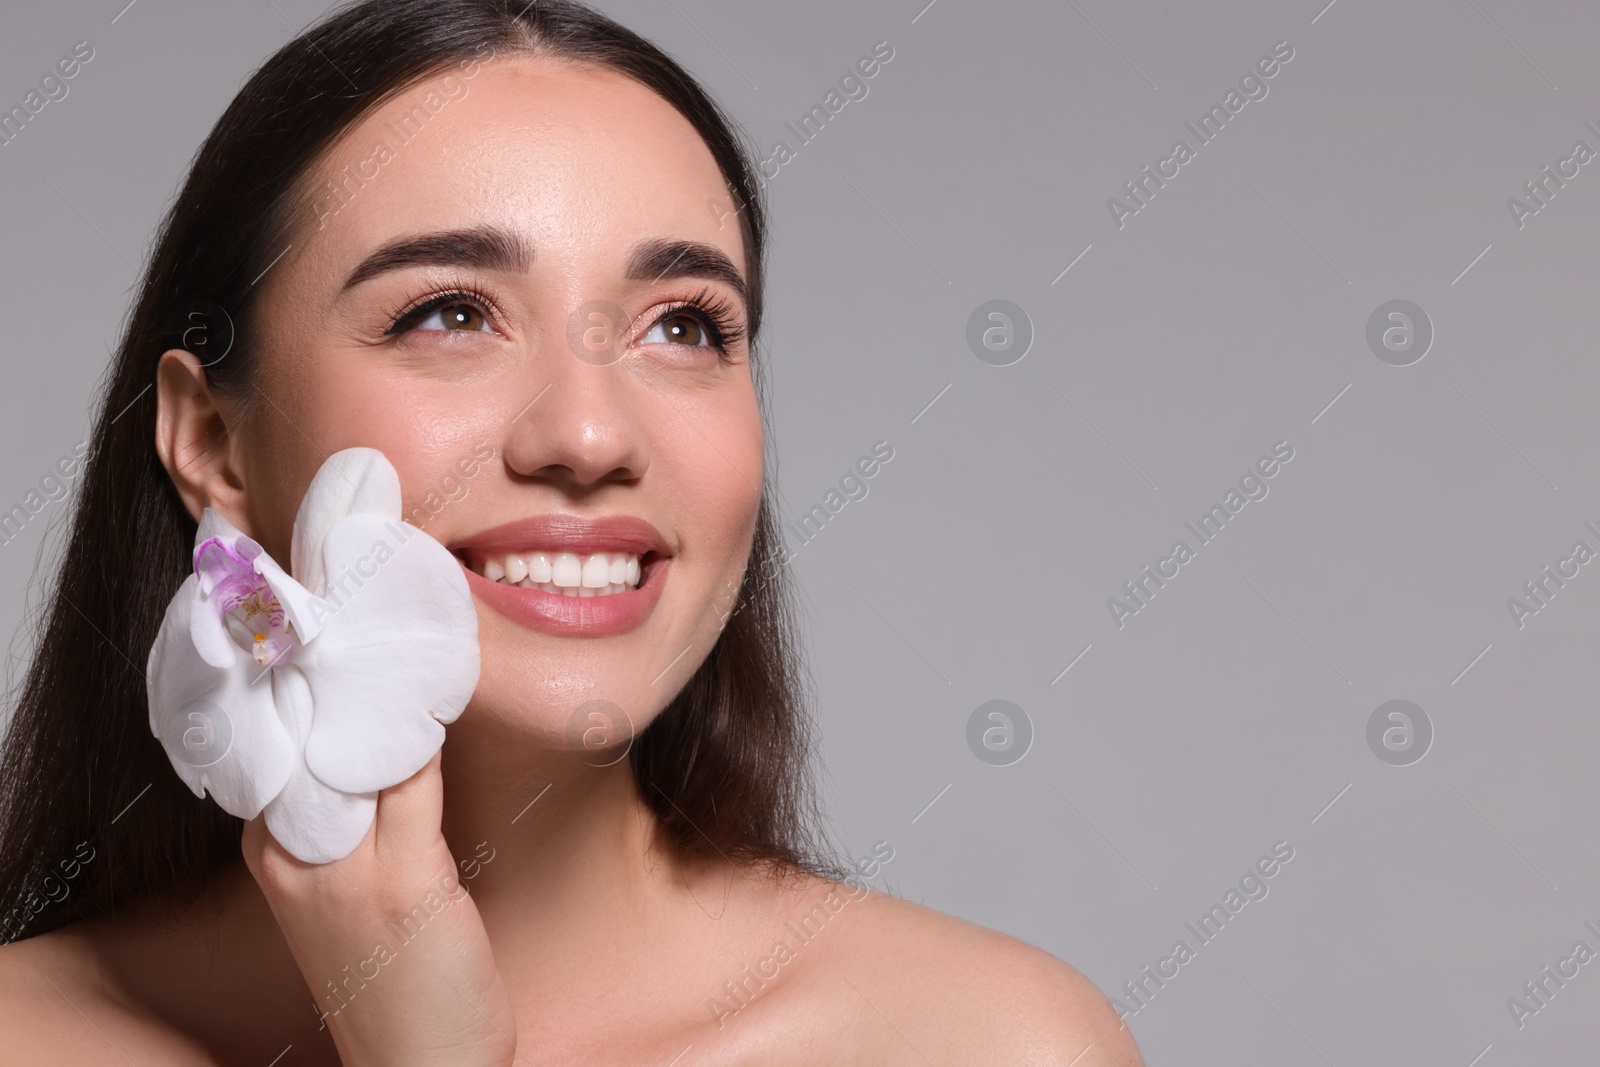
column 576, row 719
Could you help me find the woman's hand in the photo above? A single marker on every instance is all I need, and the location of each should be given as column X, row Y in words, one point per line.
column 388, row 939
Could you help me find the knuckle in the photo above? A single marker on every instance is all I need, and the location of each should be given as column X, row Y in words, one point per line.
column 282, row 877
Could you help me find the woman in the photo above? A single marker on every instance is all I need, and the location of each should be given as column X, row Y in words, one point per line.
column 516, row 249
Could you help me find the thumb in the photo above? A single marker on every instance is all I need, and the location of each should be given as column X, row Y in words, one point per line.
column 410, row 814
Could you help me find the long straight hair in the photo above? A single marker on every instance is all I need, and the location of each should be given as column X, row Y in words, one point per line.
column 91, row 814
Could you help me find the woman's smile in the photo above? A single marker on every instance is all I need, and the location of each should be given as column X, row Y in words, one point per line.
column 565, row 574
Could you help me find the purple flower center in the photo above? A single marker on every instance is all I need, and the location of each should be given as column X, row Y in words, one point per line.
column 242, row 598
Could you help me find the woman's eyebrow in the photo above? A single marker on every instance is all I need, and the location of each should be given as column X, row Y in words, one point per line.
column 654, row 260
column 491, row 248
column 484, row 247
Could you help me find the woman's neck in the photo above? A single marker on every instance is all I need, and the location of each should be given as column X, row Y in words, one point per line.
column 545, row 840
column 579, row 891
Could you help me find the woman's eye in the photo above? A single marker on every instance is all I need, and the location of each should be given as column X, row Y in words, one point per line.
column 453, row 317
column 678, row 329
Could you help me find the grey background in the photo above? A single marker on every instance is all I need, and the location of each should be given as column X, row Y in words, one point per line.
column 1225, row 316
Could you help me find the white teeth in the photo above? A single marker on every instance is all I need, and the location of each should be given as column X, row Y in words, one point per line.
column 566, row 573
column 516, row 569
column 539, row 566
column 566, row 570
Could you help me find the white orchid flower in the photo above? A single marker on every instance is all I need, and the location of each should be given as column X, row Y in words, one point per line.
column 303, row 695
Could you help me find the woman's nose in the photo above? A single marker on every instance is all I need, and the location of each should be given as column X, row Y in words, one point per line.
column 580, row 428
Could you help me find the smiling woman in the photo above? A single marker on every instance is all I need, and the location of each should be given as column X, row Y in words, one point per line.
column 532, row 291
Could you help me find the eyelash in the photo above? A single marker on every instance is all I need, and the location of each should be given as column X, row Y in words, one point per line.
column 416, row 308
column 716, row 313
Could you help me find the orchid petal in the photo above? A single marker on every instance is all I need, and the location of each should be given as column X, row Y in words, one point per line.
column 220, row 731
column 312, row 821
column 398, row 657
column 214, row 524
column 207, row 631
column 304, row 608
column 354, row 481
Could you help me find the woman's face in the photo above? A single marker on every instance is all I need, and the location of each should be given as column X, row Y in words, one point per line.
column 514, row 287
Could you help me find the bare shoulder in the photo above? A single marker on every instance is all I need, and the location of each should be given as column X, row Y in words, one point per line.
column 40, row 980
column 57, row 1006
column 973, row 993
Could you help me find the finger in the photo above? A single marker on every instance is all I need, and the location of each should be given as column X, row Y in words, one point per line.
column 410, row 813
column 252, row 842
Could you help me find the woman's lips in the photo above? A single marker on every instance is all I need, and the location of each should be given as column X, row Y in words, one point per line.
column 560, row 533
column 555, row 613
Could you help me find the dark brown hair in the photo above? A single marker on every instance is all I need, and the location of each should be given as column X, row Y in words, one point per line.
column 724, row 766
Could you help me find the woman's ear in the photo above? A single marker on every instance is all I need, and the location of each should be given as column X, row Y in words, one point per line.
column 197, row 440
